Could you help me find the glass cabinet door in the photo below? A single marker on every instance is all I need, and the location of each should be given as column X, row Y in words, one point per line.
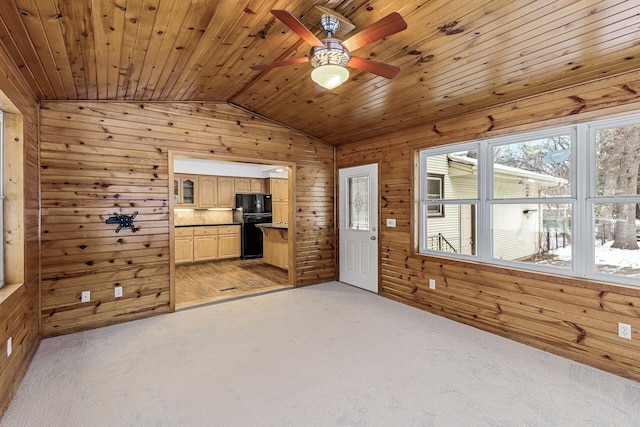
column 188, row 191
column 176, row 191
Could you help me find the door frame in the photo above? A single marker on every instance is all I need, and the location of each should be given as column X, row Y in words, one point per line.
column 291, row 178
column 377, row 224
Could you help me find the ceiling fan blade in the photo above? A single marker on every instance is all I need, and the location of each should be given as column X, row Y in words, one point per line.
column 379, row 68
column 298, row 27
column 269, row 65
column 390, row 24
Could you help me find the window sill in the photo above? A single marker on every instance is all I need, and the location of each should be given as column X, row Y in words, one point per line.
column 7, row 290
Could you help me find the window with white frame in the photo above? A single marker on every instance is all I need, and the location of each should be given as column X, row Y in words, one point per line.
column 563, row 200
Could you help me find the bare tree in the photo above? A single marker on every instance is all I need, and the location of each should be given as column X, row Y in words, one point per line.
column 618, row 163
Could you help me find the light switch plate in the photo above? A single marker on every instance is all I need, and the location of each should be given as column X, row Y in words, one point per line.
column 86, row 296
column 391, row 222
column 117, row 291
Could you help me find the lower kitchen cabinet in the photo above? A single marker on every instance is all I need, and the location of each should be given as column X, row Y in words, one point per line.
column 184, row 245
column 206, row 243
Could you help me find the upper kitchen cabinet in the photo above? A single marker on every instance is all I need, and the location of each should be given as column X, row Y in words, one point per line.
column 250, row 185
column 184, row 190
column 215, row 192
column 207, row 191
column 226, row 192
column 258, row 185
column 279, row 189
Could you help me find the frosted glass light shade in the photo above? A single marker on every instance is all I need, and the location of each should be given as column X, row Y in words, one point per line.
column 329, row 76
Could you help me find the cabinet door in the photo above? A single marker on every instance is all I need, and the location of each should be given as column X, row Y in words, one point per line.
column 207, row 191
column 229, row 246
column 242, row 185
column 188, row 190
column 176, row 191
column 257, row 185
column 226, row 192
column 184, row 249
column 280, row 212
column 205, row 248
column 279, row 189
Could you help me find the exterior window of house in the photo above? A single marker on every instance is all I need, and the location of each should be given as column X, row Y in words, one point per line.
column 435, row 191
column 449, row 184
column 564, row 200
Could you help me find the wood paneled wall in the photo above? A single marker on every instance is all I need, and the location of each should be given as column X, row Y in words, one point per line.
column 98, row 158
column 570, row 317
column 19, row 304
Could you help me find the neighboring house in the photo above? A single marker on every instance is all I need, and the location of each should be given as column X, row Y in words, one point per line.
column 454, row 176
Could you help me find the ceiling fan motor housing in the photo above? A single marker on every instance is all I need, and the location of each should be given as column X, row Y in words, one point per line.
column 332, row 53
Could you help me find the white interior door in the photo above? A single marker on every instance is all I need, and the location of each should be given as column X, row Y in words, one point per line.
column 358, row 222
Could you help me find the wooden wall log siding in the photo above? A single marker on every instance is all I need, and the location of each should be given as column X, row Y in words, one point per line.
column 19, row 303
column 567, row 316
column 98, row 158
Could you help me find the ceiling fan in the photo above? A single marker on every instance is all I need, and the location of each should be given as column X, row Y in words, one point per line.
column 330, row 56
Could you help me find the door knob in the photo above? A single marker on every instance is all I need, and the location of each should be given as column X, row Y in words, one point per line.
column 373, row 237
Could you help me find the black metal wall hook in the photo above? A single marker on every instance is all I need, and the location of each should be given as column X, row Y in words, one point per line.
column 122, row 221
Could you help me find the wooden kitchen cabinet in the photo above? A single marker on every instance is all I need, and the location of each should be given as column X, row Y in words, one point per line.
column 250, row 185
column 280, row 212
column 242, row 185
column 184, row 190
column 183, row 245
column 205, row 243
column 258, row 185
column 279, row 189
column 226, row 192
column 207, row 191
column 229, row 242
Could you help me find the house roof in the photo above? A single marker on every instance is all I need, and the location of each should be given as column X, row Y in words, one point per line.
column 456, row 56
column 470, row 165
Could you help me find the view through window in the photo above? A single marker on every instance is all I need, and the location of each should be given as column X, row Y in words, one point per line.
column 562, row 200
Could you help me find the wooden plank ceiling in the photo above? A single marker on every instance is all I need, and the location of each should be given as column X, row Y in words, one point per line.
column 456, row 55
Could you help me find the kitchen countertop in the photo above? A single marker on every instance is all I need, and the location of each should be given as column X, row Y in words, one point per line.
column 278, row 225
column 207, row 225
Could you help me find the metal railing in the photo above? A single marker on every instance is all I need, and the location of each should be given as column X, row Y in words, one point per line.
column 440, row 243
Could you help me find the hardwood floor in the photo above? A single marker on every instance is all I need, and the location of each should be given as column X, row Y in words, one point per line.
column 209, row 281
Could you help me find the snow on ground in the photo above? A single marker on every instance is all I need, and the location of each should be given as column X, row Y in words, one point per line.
column 605, row 255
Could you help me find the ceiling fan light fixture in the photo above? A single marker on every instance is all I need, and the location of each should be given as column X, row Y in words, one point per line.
column 329, row 76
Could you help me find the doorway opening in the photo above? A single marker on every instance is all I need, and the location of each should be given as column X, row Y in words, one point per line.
column 230, row 224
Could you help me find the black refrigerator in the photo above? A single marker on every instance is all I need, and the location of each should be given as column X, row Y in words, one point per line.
column 252, row 209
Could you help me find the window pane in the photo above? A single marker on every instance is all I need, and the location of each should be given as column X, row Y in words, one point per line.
column 455, row 233
column 533, row 233
column 459, row 172
column 617, row 231
column 617, row 160
column 358, row 203
column 534, row 168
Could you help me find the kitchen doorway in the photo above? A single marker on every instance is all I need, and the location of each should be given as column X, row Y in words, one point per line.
column 230, row 222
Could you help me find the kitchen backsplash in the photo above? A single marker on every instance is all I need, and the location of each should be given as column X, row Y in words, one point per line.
column 198, row 217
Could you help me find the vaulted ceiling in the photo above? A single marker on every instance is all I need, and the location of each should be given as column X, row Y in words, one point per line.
column 456, row 55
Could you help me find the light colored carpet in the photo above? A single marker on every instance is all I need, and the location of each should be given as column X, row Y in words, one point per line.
column 325, row 355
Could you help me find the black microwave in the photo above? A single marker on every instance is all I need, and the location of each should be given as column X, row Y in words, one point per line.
column 253, row 203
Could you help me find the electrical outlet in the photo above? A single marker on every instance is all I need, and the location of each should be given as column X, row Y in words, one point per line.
column 86, row 296
column 624, row 331
column 391, row 222
column 9, row 347
column 118, row 291
column 432, row 283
